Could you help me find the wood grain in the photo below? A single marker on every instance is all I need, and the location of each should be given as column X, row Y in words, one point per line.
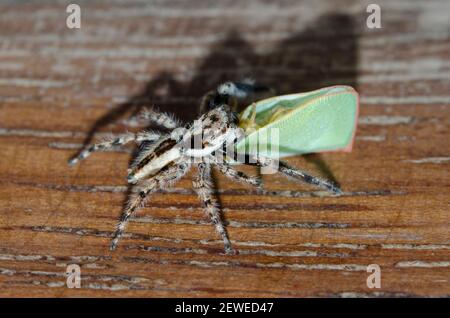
column 60, row 88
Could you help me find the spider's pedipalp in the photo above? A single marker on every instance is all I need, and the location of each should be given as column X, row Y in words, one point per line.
column 203, row 187
column 165, row 178
column 105, row 145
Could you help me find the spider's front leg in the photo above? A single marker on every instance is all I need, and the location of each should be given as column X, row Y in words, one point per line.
column 293, row 173
column 118, row 141
column 162, row 180
column 148, row 116
column 203, row 187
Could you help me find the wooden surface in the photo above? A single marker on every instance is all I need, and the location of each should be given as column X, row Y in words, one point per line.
column 60, row 87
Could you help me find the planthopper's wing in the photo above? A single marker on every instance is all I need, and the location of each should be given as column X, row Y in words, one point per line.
column 317, row 121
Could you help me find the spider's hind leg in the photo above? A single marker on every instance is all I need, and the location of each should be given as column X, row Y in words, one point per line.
column 296, row 174
column 307, row 178
column 203, row 187
column 236, row 175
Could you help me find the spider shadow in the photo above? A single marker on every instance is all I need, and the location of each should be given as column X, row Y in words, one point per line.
column 323, row 54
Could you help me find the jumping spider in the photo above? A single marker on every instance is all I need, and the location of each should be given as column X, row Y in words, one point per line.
column 163, row 159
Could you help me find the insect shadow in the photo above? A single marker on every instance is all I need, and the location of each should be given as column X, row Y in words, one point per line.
column 323, row 54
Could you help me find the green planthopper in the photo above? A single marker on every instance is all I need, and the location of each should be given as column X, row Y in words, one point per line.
column 318, row 121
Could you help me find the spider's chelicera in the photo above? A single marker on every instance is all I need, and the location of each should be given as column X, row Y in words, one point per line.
column 208, row 141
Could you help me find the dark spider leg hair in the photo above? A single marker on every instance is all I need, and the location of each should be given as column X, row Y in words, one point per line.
column 291, row 172
column 148, row 116
column 202, row 185
column 162, row 180
column 234, row 174
column 207, row 101
column 118, row 141
column 307, row 178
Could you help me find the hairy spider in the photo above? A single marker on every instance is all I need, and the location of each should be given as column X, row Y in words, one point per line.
column 166, row 158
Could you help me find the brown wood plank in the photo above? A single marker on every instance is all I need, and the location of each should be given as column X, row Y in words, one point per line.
column 61, row 87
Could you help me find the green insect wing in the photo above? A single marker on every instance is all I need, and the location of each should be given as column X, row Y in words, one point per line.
column 318, row 121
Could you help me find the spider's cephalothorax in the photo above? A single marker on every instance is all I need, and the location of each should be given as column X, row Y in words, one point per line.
column 166, row 158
